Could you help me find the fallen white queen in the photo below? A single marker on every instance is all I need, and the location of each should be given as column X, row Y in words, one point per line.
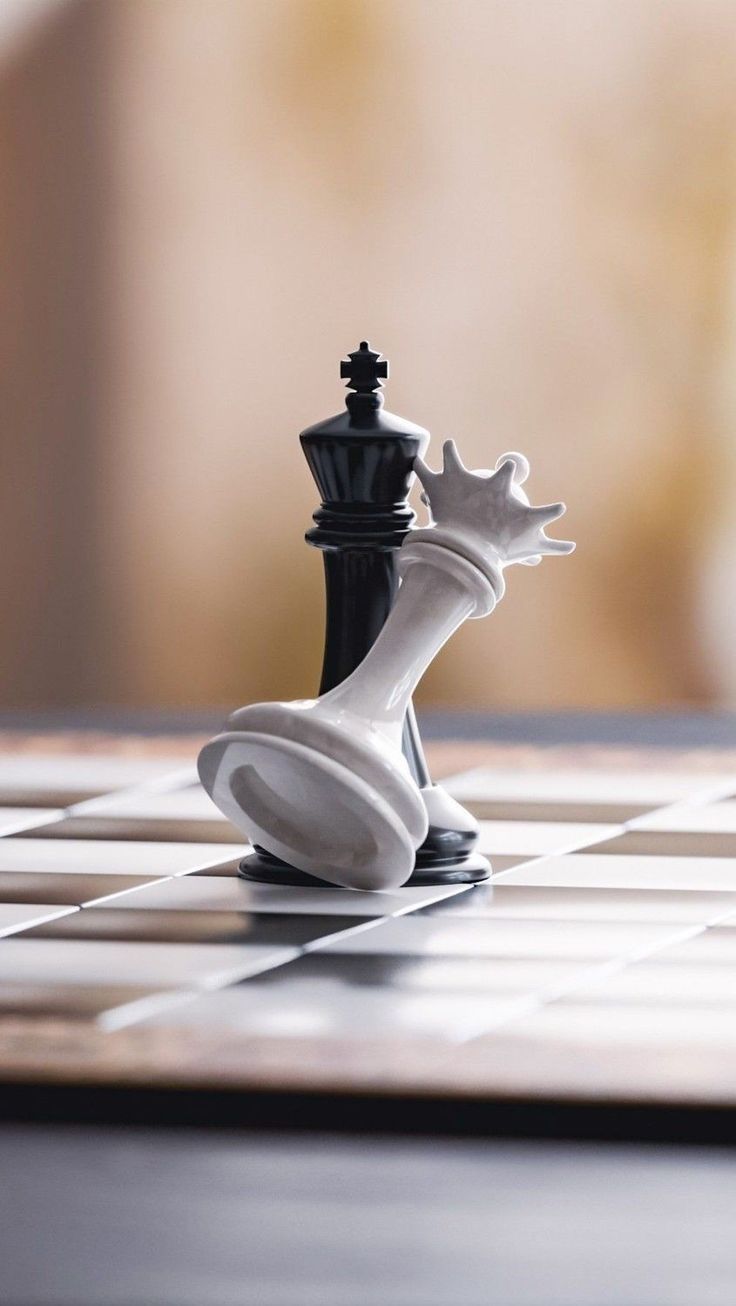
column 322, row 783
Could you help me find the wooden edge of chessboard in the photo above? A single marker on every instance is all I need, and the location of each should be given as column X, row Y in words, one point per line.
column 446, row 757
column 58, row 743
column 453, row 756
column 67, row 1071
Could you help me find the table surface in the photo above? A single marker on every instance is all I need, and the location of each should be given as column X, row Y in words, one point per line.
column 116, row 1217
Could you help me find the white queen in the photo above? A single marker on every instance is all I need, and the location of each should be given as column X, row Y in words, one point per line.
column 322, row 783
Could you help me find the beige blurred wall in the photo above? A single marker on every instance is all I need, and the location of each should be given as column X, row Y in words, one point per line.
column 528, row 206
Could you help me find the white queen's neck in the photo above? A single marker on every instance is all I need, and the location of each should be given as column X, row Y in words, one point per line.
column 439, row 591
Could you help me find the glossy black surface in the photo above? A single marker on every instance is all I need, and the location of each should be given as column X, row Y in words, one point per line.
column 470, row 868
column 360, row 586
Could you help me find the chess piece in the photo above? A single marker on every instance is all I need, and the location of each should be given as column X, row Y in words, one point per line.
column 323, row 783
column 362, row 463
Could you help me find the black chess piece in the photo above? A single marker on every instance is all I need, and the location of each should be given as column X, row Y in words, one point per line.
column 362, row 463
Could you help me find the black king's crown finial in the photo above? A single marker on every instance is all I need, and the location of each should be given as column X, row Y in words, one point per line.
column 364, row 370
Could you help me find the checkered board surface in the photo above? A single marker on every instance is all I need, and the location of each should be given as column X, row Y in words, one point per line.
column 599, row 961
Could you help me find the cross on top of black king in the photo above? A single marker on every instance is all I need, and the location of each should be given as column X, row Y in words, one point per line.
column 364, row 370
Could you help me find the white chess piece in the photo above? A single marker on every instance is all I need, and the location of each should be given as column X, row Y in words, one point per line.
column 322, row 783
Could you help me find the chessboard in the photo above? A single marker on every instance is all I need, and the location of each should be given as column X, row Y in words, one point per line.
column 594, row 972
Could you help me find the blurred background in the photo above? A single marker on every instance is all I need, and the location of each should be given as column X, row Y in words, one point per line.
column 528, row 205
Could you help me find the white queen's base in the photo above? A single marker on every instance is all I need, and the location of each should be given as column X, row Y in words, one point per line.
column 316, row 794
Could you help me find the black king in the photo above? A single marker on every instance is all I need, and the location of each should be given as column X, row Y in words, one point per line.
column 362, row 463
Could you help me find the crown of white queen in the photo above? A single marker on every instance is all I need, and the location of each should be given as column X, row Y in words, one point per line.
column 490, row 507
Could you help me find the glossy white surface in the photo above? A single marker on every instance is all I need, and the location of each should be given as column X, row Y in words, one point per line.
column 486, row 516
column 445, row 811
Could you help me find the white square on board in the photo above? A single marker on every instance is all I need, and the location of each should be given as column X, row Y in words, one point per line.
column 535, row 838
column 565, row 785
column 112, row 856
column 616, row 871
column 170, row 965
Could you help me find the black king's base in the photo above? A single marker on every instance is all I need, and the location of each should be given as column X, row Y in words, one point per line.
column 265, row 869
column 362, row 462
